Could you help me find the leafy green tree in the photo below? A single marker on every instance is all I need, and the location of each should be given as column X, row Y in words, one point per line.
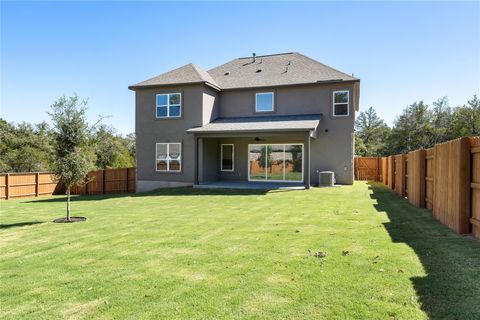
column 72, row 157
column 442, row 121
column 25, row 147
column 112, row 150
column 372, row 132
column 412, row 130
column 131, row 144
column 360, row 149
column 466, row 119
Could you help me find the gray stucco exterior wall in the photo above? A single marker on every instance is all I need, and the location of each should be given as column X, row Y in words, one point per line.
column 332, row 150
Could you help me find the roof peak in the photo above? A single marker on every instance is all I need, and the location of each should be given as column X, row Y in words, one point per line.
column 268, row 55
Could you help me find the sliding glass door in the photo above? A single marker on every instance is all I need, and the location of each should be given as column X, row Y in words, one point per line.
column 275, row 162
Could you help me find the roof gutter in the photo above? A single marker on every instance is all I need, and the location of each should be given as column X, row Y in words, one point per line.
column 135, row 87
column 295, row 84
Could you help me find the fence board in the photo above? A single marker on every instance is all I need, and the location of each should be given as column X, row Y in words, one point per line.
column 475, row 180
column 399, row 166
column 391, row 172
column 384, row 170
column 416, row 178
column 429, row 177
column 451, row 204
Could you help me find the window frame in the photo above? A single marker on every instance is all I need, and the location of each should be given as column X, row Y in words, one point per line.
column 168, row 159
column 221, row 157
column 273, row 102
column 337, row 103
column 168, row 116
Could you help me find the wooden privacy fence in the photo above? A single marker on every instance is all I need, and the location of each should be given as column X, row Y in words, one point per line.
column 16, row 185
column 368, row 168
column 29, row 184
column 108, row 181
column 444, row 179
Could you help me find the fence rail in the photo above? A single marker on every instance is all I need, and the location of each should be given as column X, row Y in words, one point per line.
column 29, row 184
column 444, row 179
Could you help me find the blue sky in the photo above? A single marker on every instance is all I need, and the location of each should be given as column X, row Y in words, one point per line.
column 401, row 51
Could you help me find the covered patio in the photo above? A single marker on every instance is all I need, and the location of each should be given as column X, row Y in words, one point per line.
column 265, row 152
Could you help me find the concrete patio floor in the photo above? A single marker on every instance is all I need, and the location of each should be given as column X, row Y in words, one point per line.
column 251, row 185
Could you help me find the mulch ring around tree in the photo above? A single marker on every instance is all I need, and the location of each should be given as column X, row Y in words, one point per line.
column 72, row 220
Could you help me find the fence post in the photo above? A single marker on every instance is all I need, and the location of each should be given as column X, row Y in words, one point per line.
column 355, row 168
column 103, row 181
column 37, row 184
column 126, row 181
column 379, row 163
column 7, row 189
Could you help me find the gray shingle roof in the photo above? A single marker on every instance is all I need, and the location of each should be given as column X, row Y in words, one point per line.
column 306, row 122
column 270, row 70
column 278, row 69
column 189, row 73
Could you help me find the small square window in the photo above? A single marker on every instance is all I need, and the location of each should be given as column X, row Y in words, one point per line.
column 169, row 105
column 341, row 101
column 264, row 102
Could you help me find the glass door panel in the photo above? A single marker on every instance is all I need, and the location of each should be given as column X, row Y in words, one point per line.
column 256, row 156
column 293, row 162
column 275, row 156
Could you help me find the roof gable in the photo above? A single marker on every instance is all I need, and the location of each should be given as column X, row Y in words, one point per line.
column 189, row 73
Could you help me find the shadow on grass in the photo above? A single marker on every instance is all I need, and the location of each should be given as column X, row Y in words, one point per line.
column 19, row 224
column 451, row 287
column 184, row 191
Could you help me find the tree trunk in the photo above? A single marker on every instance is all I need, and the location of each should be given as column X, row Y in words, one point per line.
column 68, row 204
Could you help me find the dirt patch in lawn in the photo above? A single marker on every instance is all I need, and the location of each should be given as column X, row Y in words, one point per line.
column 72, row 220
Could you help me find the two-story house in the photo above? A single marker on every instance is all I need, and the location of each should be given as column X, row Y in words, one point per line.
column 273, row 118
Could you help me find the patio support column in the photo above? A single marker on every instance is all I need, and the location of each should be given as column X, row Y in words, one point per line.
column 195, row 159
column 306, row 161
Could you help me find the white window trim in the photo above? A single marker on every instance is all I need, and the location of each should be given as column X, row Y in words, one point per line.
column 273, row 101
column 233, row 157
column 348, row 103
column 168, row 105
column 266, row 168
column 168, row 156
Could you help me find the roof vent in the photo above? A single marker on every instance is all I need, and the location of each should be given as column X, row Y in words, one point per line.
column 226, row 73
column 258, row 70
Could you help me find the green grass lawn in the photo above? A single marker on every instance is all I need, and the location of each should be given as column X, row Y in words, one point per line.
column 204, row 254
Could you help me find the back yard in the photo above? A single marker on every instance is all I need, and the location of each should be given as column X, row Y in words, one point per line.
column 196, row 253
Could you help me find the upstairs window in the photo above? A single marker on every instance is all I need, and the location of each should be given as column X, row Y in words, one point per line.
column 341, row 101
column 169, row 105
column 169, row 157
column 264, row 102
